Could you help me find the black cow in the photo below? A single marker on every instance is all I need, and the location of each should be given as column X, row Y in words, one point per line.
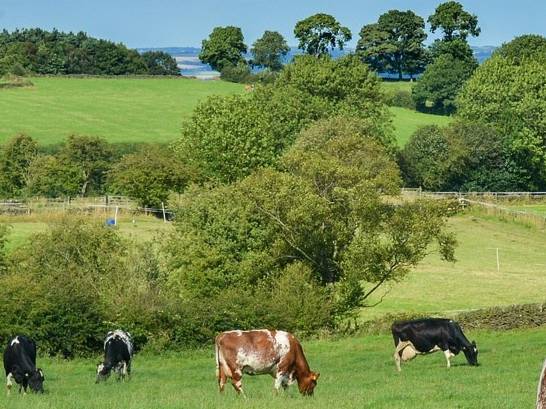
column 118, row 351
column 20, row 365
column 429, row 335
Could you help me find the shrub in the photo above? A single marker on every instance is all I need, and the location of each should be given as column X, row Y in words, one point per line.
column 399, row 98
column 464, row 156
column 149, row 176
column 236, row 73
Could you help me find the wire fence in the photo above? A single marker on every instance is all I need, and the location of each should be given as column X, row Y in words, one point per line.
column 86, row 205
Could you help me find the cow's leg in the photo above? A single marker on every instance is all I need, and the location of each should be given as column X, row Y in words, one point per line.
column 448, row 354
column 222, row 378
column 236, row 381
column 128, row 370
column 123, row 370
column 281, row 381
column 398, row 351
column 9, row 382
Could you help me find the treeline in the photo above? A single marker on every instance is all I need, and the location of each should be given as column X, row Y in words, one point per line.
column 36, row 51
column 90, row 166
column 394, row 44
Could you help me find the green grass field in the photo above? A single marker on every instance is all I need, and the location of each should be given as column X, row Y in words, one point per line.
column 406, row 122
column 120, row 110
column 473, row 281
column 138, row 228
column 131, row 110
column 355, row 373
column 539, row 209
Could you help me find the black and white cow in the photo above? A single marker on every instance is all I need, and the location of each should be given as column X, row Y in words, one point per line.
column 424, row 336
column 118, row 351
column 20, row 365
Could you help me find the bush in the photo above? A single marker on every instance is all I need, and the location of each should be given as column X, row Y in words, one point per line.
column 149, row 176
column 464, row 156
column 236, row 73
column 506, row 318
column 399, row 98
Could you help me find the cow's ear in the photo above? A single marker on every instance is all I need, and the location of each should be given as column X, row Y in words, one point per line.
column 316, row 375
column 474, row 344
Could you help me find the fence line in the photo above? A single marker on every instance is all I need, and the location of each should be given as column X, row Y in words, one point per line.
column 496, row 195
column 102, row 204
column 505, row 212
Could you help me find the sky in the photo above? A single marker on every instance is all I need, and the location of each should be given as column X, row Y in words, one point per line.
column 172, row 23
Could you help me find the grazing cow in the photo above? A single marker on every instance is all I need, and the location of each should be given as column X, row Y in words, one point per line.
column 20, row 365
column 257, row 352
column 429, row 335
column 118, row 351
column 541, row 392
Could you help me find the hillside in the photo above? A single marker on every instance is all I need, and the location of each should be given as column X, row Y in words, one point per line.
column 130, row 110
column 120, row 109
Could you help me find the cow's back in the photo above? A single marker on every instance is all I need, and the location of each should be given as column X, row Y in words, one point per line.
column 255, row 351
column 21, row 352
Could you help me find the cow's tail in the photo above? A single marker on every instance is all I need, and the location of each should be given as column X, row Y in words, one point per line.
column 541, row 392
column 217, row 354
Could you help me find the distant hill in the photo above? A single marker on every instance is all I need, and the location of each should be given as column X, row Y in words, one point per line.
column 189, row 64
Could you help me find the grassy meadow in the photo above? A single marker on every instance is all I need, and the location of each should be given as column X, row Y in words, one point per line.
column 355, row 372
column 131, row 110
column 127, row 110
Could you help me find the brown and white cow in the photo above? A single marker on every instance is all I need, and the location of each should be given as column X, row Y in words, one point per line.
column 541, row 393
column 257, row 352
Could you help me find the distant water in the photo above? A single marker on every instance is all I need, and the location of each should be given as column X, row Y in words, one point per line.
column 190, row 65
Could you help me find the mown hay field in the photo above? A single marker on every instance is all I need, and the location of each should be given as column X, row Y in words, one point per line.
column 355, row 372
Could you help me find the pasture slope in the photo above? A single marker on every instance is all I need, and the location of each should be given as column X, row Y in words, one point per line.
column 130, row 110
column 355, row 373
column 121, row 110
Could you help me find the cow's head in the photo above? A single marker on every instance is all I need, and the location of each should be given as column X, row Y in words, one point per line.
column 471, row 353
column 308, row 383
column 103, row 372
column 36, row 381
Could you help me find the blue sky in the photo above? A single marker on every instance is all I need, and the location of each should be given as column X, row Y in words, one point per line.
column 161, row 23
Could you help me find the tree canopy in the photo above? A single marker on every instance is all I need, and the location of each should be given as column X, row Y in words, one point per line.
column 440, row 84
column 511, row 96
column 268, row 50
column 395, row 43
column 320, row 33
column 228, row 137
column 522, row 48
column 54, row 52
column 454, row 21
column 225, row 46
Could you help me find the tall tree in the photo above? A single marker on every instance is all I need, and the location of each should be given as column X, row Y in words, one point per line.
column 92, row 156
column 225, row 46
column 454, row 21
column 319, row 33
column 15, row 159
column 395, row 43
column 269, row 49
